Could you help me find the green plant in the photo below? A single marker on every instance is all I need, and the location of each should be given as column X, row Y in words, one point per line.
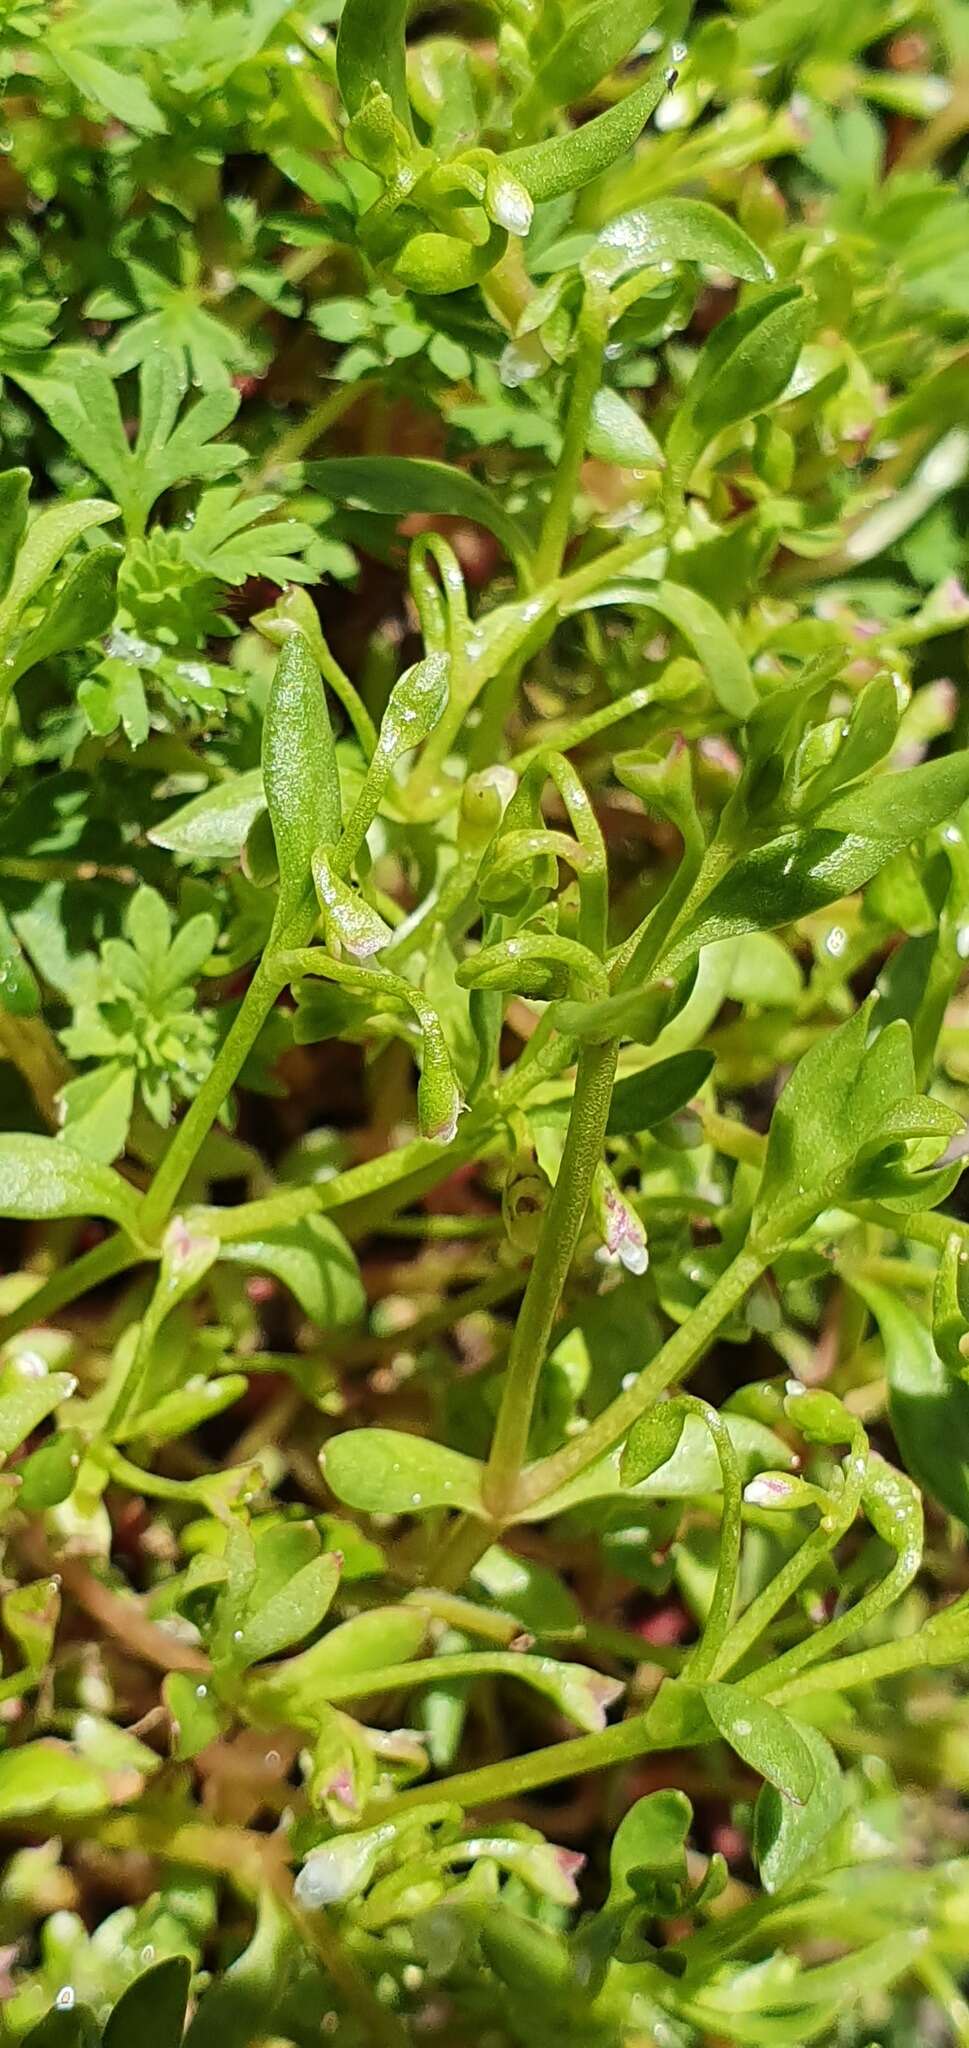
column 484, row 911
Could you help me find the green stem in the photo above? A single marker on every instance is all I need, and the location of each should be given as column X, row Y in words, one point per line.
column 363, row 1194
column 522, row 1774
column 114, row 1255
column 561, row 1225
column 701, row 1662
column 677, row 1357
column 942, row 1987
column 236, row 1047
column 316, row 1931
column 591, row 332
column 294, row 443
column 885, row 1660
column 785, row 1583
column 816, row 1647
column 464, row 1545
column 576, row 730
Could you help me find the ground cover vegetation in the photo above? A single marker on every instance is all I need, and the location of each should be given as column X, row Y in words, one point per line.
column 484, row 915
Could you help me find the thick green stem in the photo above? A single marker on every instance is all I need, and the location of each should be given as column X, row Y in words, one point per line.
column 679, row 1354
column 561, row 1225
column 464, row 1545
column 522, row 1774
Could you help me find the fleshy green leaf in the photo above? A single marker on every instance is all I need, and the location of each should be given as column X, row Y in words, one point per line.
column 81, row 608
column 371, row 1641
column 652, row 1442
column 299, row 771
column 382, row 1471
column 215, row 825
column 47, row 541
column 313, row 1259
column 567, row 162
column 786, row 1837
column 27, row 1396
column 681, row 231
column 595, row 40
column 767, row 1740
column 294, row 1612
column 370, row 49
column 43, row 1178
column 618, row 434
column 691, row 1468
column 651, row 1837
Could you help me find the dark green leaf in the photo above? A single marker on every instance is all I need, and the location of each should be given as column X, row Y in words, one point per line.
column 71, row 2027
column 370, row 49
column 746, row 363
column 398, row 485
column 843, row 847
column 14, row 493
column 641, row 1101
column 151, row 2013
column 82, row 608
column 786, row 1837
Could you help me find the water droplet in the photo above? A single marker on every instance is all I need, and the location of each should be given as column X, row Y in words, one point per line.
column 962, row 942
column 65, row 1998
column 836, row 941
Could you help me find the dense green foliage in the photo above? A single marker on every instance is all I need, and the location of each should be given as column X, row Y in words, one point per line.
column 484, row 913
